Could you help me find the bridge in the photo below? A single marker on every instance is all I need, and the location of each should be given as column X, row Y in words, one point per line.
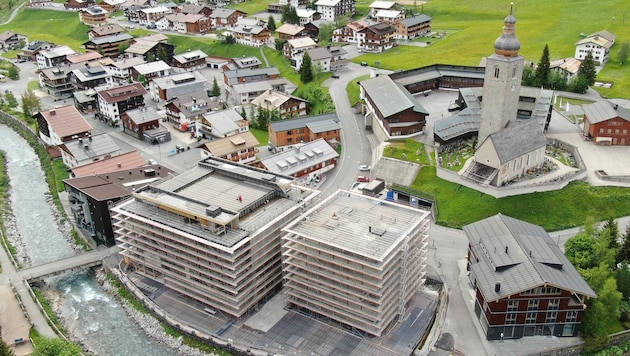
column 84, row 260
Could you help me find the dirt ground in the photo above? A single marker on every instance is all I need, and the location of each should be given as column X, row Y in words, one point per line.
column 14, row 323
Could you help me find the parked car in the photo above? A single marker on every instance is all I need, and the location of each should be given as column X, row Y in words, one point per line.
column 363, row 64
column 335, row 76
column 365, row 167
column 363, row 179
column 151, row 161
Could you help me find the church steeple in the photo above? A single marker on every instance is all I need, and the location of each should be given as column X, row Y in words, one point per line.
column 508, row 45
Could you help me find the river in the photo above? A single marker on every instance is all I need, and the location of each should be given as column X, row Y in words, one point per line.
column 90, row 314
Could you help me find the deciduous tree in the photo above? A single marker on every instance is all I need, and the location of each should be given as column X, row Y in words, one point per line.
column 30, row 103
column 13, row 72
column 56, row 347
column 10, row 100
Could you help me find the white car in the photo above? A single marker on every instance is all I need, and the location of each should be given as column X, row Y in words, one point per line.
column 365, row 167
column 151, row 161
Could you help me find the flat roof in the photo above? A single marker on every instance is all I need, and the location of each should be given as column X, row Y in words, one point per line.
column 358, row 224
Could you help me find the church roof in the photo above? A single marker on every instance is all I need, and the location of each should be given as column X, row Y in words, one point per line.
column 517, row 140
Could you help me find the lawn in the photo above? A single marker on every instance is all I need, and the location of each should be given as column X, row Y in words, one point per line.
column 354, row 91
column 261, row 135
column 476, row 25
column 253, row 6
column 48, row 25
column 6, row 7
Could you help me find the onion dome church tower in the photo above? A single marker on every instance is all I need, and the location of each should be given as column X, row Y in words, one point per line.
column 502, row 82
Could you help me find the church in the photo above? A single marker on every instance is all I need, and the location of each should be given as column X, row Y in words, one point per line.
column 509, row 119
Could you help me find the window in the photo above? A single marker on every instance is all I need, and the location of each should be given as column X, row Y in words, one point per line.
column 601, row 130
column 571, row 316
column 531, row 318
column 510, row 318
column 551, row 317
column 609, row 131
column 496, row 72
column 512, row 305
column 553, row 304
column 532, row 305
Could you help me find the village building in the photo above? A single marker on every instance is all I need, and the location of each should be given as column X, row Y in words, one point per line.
column 61, row 124
column 240, row 148
column 606, row 123
column 288, row 106
column 294, row 132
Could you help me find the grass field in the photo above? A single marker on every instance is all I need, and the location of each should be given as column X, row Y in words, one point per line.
column 48, row 25
column 6, row 7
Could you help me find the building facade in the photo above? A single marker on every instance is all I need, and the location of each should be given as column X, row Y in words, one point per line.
column 356, row 260
column 524, row 285
column 222, row 250
column 606, row 123
column 111, row 103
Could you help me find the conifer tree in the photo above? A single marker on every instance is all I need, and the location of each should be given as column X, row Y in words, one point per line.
column 542, row 70
column 306, row 70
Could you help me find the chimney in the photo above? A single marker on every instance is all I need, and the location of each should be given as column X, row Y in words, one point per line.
column 616, row 106
column 119, row 165
column 497, row 287
column 506, row 249
column 53, row 111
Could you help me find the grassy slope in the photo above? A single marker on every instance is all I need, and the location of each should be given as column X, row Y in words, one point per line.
column 48, row 25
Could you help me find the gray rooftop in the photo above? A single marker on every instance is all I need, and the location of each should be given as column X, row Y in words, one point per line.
column 604, row 110
column 416, row 20
column 389, row 97
column 358, row 225
column 304, row 156
column 330, row 120
column 520, row 256
column 85, row 149
column 111, row 39
column 517, row 140
column 143, row 114
column 232, row 75
column 224, row 121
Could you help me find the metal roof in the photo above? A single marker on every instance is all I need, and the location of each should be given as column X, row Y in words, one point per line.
column 88, row 149
column 604, row 110
column 520, row 256
column 389, row 97
column 416, row 20
column 517, row 140
column 294, row 160
column 291, row 124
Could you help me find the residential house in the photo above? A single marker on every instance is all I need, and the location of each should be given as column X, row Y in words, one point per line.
column 240, row 148
column 379, row 5
column 79, row 4
column 292, row 132
column 307, row 16
column 11, row 40
column 151, row 48
column 249, row 75
column 566, row 66
column 373, row 289
column 376, row 38
column 39, row 3
column 93, row 15
column 251, row 35
column 305, row 161
column 389, row 16
column 222, row 123
column 148, row 16
column 109, row 45
column 331, row 10
column 312, row 29
column 30, row 51
column 132, row 12
column 242, row 63
column 172, row 86
column 391, row 107
column 413, row 27
column 289, row 31
column 103, row 184
column 61, row 124
column 85, row 100
column 297, row 46
column 523, row 283
column 55, row 81
column 53, row 57
column 226, row 18
column 135, row 122
column 114, row 102
column 189, row 61
column 172, row 22
column 598, row 43
column 350, row 33
column 196, row 9
column 277, row 7
column 238, row 198
column 245, row 93
column 89, row 77
column 327, row 59
column 87, row 149
column 150, row 71
column 121, row 69
column 111, row 5
column 183, row 111
column 606, row 123
column 197, row 24
column 288, row 106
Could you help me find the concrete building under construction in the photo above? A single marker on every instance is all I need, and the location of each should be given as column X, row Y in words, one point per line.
column 212, row 233
column 356, row 260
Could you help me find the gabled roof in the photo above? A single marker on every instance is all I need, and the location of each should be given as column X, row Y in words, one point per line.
column 327, row 2
column 389, row 97
column 231, row 144
column 192, row 18
column 224, row 121
column 121, row 93
column 302, row 42
column 6, row 35
column 602, row 38
column 571, row 65
column 517, row 140
column 66, row 121
column 381, row 28
column 87, row 149
column 520, row 256
column 320, row 53
column 290, row 29
column 128, row 160
column 190, row 56
column 382, row 4
column 129, row 62
column 84, row 57
column 331, row 121
column 192, row 9
column 416, row 20
column 59, row 51
column 222, row 12
column 272, row 99
column 110, row 39
column 193, row 104
column 239, row 28
column 604, row 110
column 143, row 115
column 152, row 67
column 388, row 13
column 105, row 30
